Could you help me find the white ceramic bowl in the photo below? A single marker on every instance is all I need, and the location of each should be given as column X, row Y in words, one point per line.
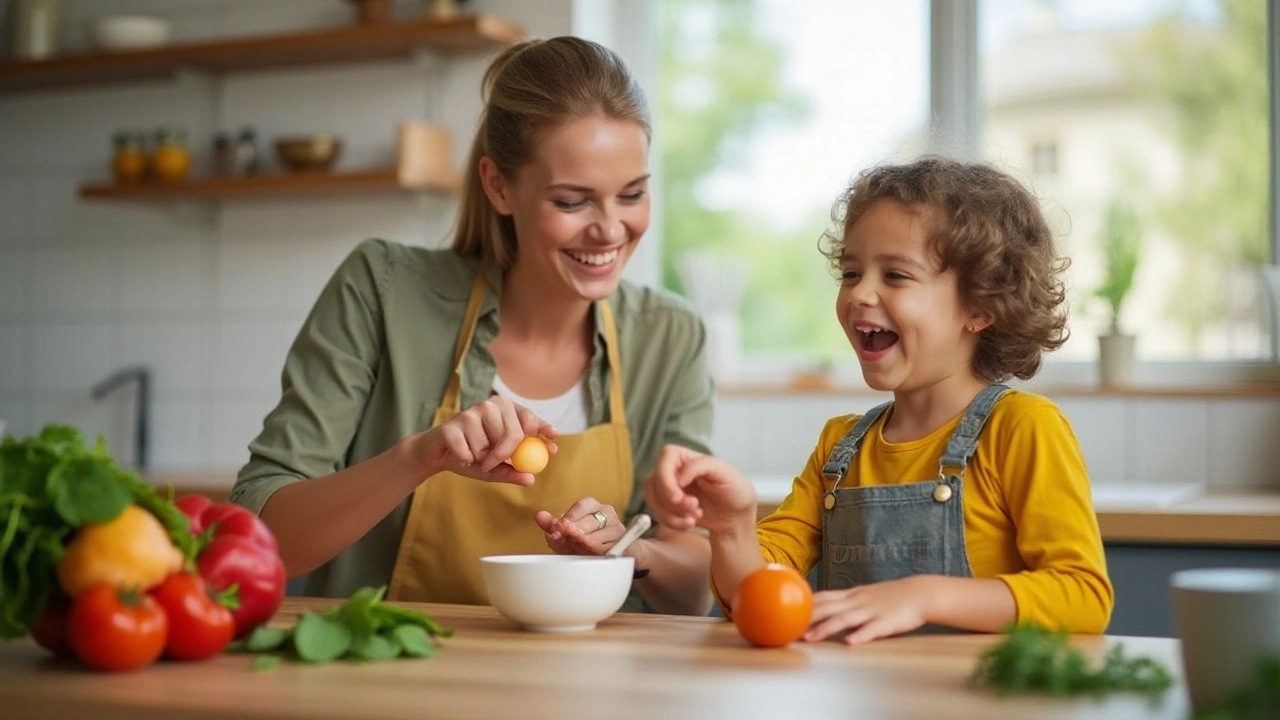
column 129, row 32
column 556, row 593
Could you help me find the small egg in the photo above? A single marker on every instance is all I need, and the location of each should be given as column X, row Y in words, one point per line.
column 531, row 455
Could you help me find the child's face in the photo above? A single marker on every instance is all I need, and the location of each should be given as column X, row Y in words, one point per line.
column 902, row 315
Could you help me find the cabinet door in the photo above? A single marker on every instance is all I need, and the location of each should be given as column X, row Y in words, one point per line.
column 1140, row 574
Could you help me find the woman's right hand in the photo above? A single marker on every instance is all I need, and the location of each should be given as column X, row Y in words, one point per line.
column 688, row 488
column 480, row 440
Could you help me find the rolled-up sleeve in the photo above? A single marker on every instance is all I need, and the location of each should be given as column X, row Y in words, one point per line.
column 328, row 375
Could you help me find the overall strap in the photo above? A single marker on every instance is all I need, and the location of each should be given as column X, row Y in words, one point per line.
column 964, row 440
column 842, row 454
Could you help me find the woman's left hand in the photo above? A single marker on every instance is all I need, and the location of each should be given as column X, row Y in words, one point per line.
column 586, row 528
column 870, row 611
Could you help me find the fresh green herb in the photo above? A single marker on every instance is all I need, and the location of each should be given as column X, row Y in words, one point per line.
column 51, row 484
column 1033, row 659
column 363, row 628
column 265, row 662
column 1259, row 699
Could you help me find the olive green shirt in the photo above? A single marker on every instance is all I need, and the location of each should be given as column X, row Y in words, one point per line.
column 371, row 362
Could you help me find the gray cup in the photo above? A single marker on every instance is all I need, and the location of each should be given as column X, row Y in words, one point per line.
column 1226, row 619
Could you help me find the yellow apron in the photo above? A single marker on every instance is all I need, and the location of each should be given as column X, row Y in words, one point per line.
column 455, row 520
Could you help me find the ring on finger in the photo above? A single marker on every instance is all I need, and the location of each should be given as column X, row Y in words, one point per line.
column 600, row 518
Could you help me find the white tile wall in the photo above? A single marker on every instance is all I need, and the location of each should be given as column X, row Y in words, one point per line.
column 13, row 364
column 212, row 302
column 1100, row 426
column 1170, row 440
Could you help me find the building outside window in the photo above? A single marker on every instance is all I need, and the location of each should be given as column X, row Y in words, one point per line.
column 1044, row 159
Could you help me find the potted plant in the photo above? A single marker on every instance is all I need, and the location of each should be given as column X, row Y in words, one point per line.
column 1121, row 244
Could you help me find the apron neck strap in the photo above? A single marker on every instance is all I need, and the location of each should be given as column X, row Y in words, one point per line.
column 453, row 394
column 617, row 410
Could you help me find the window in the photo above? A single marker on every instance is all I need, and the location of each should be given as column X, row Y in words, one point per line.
column 767, row 108
column 1161, row 108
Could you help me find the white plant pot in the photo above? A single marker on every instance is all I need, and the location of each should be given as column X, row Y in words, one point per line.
column 1115, row 360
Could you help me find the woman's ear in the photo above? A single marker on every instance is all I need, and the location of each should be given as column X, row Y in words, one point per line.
column 495, row 186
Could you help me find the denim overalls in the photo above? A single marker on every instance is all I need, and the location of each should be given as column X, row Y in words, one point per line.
column 886, row 532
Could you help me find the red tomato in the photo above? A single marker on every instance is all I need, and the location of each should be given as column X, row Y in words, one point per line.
column 112, row 629
column 50, row 630
column 773, row 606
column 199, row 625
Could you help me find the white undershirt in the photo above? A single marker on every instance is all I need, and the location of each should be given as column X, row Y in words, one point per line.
column 567, row 412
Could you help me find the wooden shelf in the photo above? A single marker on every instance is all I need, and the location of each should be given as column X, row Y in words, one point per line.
column 354, row 43
column 276, row 185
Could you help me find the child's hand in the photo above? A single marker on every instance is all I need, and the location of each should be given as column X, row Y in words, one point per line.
column 479, row 441
column 687, row 488
column 871, row 611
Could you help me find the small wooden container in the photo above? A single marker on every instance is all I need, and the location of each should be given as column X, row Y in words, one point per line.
column 423, row 157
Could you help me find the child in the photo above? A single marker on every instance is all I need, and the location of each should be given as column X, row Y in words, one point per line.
column 961, row 502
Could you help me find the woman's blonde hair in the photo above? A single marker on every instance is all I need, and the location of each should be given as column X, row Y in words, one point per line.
column 530, row 87
column 989, row 228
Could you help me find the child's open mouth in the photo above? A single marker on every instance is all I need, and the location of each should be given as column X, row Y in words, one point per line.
column 875, row 341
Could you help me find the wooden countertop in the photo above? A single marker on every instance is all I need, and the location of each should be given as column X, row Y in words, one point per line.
column 1216, row 517
column 631, row 666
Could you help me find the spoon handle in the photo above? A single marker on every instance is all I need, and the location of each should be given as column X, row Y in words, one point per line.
column 637, row 527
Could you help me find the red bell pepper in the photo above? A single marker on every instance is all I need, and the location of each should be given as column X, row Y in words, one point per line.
column 240, row 552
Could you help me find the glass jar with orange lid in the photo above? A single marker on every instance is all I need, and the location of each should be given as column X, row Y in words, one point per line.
column 170, row 157
column 129, row 163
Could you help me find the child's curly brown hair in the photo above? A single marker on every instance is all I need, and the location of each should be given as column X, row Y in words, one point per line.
column 988, row 227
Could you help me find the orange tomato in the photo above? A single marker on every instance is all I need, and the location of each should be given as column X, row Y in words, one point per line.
column 531, row 455
column 773, row 606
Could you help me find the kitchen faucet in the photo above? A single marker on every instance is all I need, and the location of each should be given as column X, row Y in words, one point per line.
column 142, row 417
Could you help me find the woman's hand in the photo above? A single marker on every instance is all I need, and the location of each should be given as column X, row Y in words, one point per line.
column 871, row 611
column 479, row 441
column 688, row 488
column 586, row 528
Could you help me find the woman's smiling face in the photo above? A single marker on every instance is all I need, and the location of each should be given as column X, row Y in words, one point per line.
column 902, row 314
column 579, row 206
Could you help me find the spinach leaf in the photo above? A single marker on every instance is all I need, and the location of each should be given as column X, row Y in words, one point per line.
column 376, row 647
column 264, row 639
column 318, row 640
column 266, row 662
column 414, row 640
column 85, row 490
column 362, row 628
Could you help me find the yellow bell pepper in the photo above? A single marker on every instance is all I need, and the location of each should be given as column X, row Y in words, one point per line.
column 133, row 551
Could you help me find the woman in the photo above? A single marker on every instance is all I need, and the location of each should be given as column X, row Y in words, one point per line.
column 418, row 372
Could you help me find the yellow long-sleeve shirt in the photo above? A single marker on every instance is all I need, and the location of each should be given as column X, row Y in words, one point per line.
column 1028, row 512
